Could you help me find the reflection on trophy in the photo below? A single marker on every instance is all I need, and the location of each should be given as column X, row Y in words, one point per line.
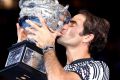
column 25, row 59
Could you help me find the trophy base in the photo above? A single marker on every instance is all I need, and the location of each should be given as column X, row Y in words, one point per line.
column 21, row 71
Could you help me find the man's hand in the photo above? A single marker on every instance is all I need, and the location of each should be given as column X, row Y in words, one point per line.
column 43, row 36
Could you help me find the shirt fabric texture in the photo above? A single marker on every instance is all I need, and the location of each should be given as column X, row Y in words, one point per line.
column 89, row 69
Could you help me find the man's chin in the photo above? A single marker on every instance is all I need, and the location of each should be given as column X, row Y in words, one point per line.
column 59, row 40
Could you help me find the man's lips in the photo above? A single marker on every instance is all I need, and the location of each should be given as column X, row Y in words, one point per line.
column 63, row 32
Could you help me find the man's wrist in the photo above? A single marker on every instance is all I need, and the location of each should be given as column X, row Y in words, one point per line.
column 47, row 48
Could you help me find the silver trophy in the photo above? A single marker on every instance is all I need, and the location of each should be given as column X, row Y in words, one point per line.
column 25, row 59
column 54, row 13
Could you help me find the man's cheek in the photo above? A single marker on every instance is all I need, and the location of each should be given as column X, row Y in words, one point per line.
column 72, row 33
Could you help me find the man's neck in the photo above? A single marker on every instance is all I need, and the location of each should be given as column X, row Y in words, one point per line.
column 74, row 53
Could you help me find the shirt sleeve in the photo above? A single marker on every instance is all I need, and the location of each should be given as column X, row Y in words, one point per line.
column 92, row 71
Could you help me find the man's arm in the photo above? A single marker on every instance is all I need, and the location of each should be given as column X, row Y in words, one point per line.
column 54, row 69
column 44, row 36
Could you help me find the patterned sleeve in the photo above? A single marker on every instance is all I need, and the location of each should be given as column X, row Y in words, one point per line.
column 94, row 70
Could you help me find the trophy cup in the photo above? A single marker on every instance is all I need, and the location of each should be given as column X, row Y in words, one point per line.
column 25, row 59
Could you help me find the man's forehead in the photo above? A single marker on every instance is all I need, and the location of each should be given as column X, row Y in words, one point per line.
column 80, row 17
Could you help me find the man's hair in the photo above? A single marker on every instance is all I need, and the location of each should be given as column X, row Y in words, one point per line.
column 97, row 26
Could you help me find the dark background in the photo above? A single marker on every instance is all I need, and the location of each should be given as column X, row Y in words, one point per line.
column 103, row 8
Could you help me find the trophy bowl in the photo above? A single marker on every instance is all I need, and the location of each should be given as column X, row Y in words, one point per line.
column 55, row 14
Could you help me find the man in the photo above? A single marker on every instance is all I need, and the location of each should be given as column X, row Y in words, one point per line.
column 85, row 32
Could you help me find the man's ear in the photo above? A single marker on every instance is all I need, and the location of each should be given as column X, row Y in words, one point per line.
column 88, row 38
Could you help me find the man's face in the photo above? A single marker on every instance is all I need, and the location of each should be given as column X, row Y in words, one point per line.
column 71, row 33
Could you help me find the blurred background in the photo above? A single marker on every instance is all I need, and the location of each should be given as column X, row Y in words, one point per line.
column 9, row 13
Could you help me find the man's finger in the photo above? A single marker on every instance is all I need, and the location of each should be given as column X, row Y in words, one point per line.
column 44, row 24
column 33, row 24
column 20, row 33
column 43, row 21
column 18, row 27
column 31, row 31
